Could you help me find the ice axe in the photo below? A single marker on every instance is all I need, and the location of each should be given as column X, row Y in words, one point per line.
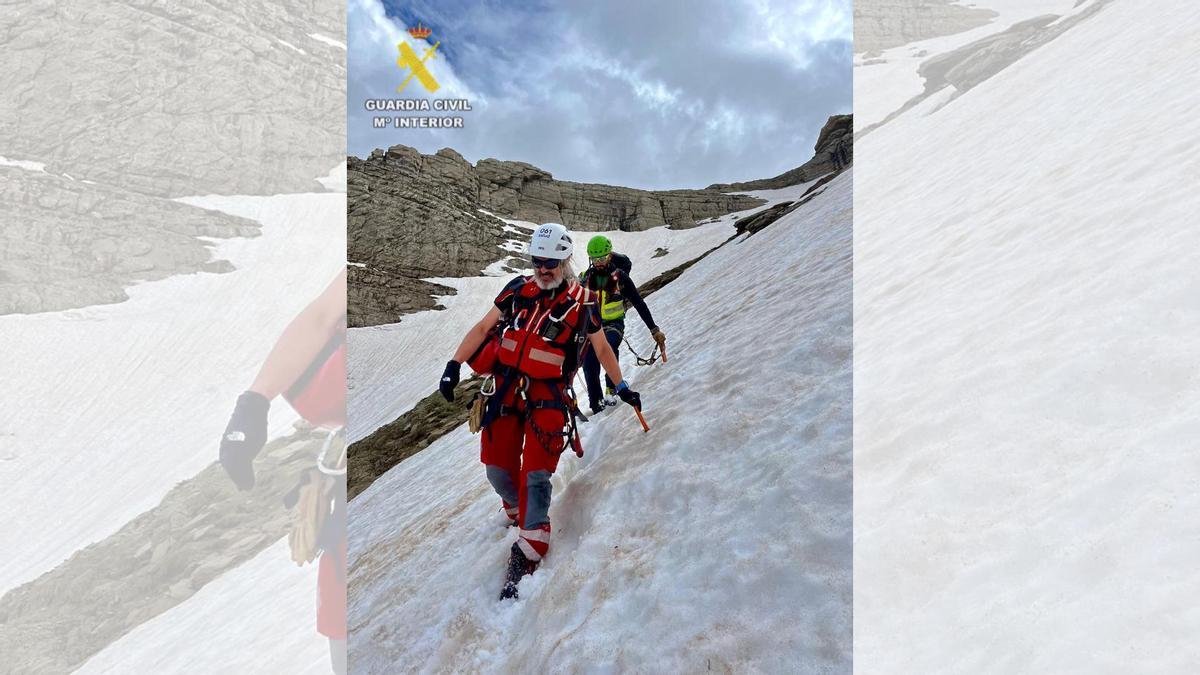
column 645, row 427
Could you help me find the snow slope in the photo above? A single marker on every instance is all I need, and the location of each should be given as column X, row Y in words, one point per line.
column 720, row 540
column 395, row 365
column 117, row 403
column 1027, row 401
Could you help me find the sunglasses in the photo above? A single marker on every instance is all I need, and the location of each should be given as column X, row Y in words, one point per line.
column 545, row 263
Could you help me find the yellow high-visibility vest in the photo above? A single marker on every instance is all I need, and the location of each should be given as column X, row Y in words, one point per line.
column 611, row 310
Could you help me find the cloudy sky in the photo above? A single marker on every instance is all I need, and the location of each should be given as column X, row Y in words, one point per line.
column 656, row 95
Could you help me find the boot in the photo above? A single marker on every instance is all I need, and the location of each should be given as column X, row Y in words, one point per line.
column 518, row 567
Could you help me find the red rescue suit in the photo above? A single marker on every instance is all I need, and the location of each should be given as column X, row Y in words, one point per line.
column 537, row 351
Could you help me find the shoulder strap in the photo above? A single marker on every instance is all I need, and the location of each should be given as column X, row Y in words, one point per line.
column 572, row 296
column 318, row 362
column 525, row 293
column 587, row 297
column 512, row 289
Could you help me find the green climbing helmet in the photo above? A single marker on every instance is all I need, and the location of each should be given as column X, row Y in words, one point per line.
column 599, row 246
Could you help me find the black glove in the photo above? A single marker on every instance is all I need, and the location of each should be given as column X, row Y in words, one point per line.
column 449, row 380
column 244, row 438
column 630, row 396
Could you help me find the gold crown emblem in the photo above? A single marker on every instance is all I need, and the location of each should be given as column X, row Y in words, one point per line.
column 420, row 32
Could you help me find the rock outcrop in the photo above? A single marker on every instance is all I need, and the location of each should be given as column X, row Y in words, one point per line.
column 525, row 192
column 380, row 298
column 69, row 244
column 974, row 63
column 111, row 110
column 757, row 222
column 415, row 215
column 833, row 152
column 176, row 99
column 408, row 217
column 430, row 419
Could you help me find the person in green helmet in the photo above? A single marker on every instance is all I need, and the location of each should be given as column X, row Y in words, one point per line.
column 608, row 277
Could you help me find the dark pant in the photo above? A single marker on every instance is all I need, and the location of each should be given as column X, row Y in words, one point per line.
column 591, row 365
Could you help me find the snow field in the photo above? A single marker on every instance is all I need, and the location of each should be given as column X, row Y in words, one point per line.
column 1026, row 404
column 721, row 539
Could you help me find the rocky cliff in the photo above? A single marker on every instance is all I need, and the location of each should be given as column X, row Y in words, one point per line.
column 111, row 110
column 528, row 193
column 70, row 244
column 252, row 93
column 412, row 216
column 834, row 151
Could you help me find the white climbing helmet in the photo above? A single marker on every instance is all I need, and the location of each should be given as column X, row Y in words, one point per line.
column 550, row 240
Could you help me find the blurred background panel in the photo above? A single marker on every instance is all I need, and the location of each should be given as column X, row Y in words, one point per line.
column 1026, row 306
column 172, row 200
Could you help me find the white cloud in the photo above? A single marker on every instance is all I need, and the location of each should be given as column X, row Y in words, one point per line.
column 657, row 95
column 790, row 27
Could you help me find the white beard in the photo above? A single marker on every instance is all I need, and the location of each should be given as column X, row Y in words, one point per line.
column 546, row 285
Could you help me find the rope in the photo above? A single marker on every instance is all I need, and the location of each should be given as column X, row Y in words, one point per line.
column 654, row 355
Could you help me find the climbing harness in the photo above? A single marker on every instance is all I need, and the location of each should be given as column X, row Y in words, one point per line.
column 536, row 339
